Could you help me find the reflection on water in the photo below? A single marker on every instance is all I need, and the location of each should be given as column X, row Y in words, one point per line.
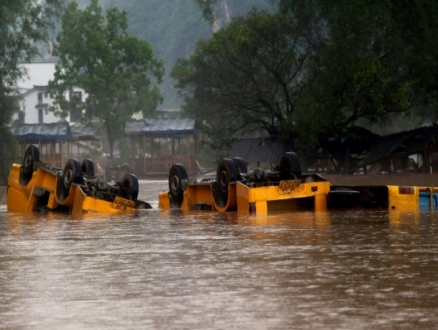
column 169, row 269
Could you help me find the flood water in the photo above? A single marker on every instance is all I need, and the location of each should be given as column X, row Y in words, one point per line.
column 201, row 270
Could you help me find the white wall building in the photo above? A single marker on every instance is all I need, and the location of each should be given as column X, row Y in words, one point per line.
column 36, row 101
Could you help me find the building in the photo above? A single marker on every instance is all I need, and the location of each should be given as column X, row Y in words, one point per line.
column 34, row 107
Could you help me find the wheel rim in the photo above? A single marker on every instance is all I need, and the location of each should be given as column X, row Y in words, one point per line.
column 28, row 160
column 177, row 178
column 175, row 184
column 223, row 179
column 68, row 177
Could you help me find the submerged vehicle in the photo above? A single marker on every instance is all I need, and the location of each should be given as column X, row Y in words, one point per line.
column 35, row 186
column 411, row 199
column 235, row 189
column 284, row 188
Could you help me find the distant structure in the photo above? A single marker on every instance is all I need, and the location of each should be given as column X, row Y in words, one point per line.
column 58, row 138
column 36, row 101
column 156, row 144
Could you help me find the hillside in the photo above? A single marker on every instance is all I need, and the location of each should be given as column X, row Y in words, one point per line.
column 173, row 27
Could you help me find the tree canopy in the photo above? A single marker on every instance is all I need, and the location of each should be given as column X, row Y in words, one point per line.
column 250, row 74
column 24, row 25
column 320, row 68
column 378, row 59
column 117, row 71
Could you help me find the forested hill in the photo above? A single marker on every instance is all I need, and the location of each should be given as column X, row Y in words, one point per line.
column 172, row 27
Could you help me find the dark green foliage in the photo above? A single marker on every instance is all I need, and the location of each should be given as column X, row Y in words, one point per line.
column 250, row 74
column 23, row 25
column 118, row 71
column 362, row 63
column 378, row 59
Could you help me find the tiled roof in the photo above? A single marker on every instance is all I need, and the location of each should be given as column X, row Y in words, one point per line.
column 407, row 143
column 33, row 133
column 161, row 127
column 54, row 132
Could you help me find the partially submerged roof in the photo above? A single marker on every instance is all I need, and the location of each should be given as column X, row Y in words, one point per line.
column 161, row 127
column 264, row 149
column 405, row 143
column 33, row 133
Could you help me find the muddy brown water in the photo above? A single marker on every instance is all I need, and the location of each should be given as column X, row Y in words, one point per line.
column 200, row 270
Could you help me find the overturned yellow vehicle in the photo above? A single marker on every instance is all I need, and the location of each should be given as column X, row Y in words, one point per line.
column 35, row 186
column 285, row 188
column 233, row 188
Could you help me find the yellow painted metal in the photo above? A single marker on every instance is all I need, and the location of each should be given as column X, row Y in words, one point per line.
column 320, row 203
column 52, row 203
column 231, row 204
column 262, row 199
column 24, row 198
column 17, row 196
column 198, row 194
column 79, row 198
column 403, row 202
column 242, row 196
column 163, row 200
column 93, row 205
column 288, row 195
column 410, row 202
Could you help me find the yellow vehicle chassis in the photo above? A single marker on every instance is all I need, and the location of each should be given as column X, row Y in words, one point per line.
column 287, row 196
column 234, row 188
column 284, row 188
column 33, row 186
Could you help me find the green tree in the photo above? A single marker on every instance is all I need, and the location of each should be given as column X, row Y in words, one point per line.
column 249, row 75
column 379, row 59
column 316, row 74
column 24, row 25
column 118, row 72
column 370, row 62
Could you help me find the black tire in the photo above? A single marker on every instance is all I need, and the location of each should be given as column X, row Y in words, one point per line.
column 87, row 167
column 290, row 168
column 177, row 173
column 72, row 173
column 130, row 185
column 31, row 156
column 226, row 173
column 240, row 164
